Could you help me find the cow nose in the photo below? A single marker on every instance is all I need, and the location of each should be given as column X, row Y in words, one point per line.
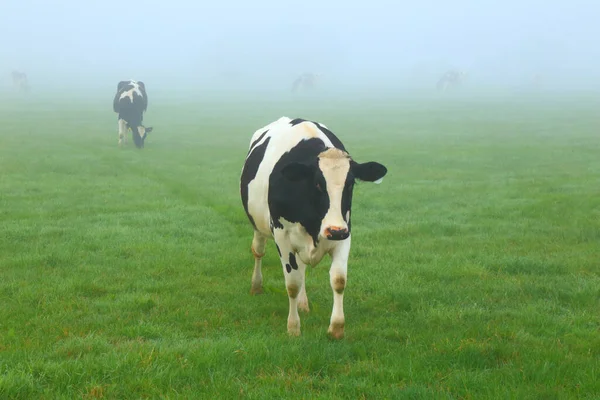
column 336, row 233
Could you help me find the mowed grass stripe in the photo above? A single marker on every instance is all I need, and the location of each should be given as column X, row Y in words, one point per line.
column 474, row 271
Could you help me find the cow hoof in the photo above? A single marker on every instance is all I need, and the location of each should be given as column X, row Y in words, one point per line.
column 293, row 329
column 336, row 330
column 294, row 333
column 256, row 290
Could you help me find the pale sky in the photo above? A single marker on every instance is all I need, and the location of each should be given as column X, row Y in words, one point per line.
column 271, row 41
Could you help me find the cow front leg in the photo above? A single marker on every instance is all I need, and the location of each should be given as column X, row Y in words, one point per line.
column 302, row 298
column 122, row 132
column 258, row 250
column 293, row 271
column 338, row 274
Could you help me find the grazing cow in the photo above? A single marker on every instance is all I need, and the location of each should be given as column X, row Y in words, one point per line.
column 306, row 81
column 131, row 101
column 451, row 79
column 19, row 80
column 537, row 81
column 296, row 187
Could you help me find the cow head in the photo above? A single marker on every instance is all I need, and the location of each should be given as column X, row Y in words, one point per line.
column 329, row 180
column 142, row 133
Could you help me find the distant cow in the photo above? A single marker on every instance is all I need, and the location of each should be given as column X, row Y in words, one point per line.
column 20, row 81
column 296, row 187
column 451, row 79
column 537, row 80
column 306, row 81
column 131, row 101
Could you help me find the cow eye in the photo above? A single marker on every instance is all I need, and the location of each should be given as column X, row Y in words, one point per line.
column 319, row 187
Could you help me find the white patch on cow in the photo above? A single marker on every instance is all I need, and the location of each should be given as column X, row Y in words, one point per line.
column 129, row 93
column 302, row 243
column 348, row 215
column 334, row 164
column 378, row 181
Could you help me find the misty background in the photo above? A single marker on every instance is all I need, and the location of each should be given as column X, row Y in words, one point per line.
column 235, row 46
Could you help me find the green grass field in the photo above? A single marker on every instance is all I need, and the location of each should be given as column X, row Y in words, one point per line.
column 474, row 271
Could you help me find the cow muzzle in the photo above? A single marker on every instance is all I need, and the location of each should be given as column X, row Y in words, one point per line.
column 336, row 233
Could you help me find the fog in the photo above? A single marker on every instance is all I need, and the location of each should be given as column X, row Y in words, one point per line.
column 240, row 46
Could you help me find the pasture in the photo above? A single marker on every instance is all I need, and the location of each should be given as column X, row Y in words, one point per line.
column 474, row 271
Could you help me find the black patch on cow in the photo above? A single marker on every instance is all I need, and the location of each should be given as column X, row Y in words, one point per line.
column 257, row 140
column 122, row 85
column 275, row 224
column 297, row 121
column 288, row 268
column 368, row 171
column 347, row 199
column 337, row 143
column 278, row 249
column 304, row 201
column 249, row 173
column 293, row 262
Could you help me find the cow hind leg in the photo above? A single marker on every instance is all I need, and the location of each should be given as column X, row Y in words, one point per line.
column 258, row 250
column 122, row 132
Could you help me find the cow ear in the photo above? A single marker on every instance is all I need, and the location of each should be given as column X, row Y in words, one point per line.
column 122, row 84
column 296, row 171
column 369, row 172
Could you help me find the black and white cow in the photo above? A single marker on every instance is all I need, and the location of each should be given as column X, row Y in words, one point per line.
column 537, row 81
column 451, row 79
column 296, row 188
column 306, row 81
column 131, row 101
column 20, row 81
